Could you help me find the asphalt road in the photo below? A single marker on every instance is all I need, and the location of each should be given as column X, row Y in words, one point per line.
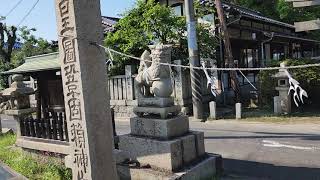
column 263, row 151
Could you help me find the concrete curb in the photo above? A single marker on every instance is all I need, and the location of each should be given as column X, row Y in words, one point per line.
column 12, row 174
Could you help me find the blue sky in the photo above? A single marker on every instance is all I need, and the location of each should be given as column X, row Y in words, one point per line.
column 43, row 16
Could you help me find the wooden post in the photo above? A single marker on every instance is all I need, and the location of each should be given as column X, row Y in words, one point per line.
column 228, row 52
column 87, row 103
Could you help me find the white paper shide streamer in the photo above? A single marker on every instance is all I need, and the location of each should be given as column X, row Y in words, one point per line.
column 211, row 81
column 296, row 89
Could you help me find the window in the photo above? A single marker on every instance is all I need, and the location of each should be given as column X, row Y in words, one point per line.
column 208, row 17
column 276, row 55
column 178, row 9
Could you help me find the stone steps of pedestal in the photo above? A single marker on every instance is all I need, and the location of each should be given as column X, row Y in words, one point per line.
column 205, row 168
column 168, row 155
column 159, row 128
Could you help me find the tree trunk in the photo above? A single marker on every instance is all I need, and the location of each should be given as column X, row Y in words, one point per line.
column 6, row 48
column 228, row 52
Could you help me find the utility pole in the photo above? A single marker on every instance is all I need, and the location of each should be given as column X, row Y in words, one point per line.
column 194, row 60
column 228, row 52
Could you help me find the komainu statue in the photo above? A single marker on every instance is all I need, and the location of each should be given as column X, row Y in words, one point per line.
column 153, row 79
column 154, row 84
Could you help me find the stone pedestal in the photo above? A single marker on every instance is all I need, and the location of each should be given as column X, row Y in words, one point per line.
column 284, row 100
column 164, row 112
column 167, row 147
column 159, row 128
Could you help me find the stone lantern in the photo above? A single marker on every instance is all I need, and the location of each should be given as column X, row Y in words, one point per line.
column 18, row 104
column 282, row 103
column 18, row 93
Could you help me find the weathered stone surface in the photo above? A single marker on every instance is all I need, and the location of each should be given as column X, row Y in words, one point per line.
column 162, row 111
column 276, row 105
column 168, row 155
column 205, row 169
column 155, row 78
column 156, row 102
column 120, row 156
column 17, row 94
column 213, row 110
column 7, row 131
column 199, row 142
column 189, row 148
column 159, row 128
column 285, row 100
column 238, row 110
column 165, row 155
column 87, row 104
column 47, row 145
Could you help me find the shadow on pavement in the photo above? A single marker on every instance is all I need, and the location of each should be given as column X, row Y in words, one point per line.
column 269, row 171
column 266, row 137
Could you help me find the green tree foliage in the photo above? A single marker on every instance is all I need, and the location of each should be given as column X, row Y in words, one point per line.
column 290, row 15
column 284, row 11
column 31, row 45
column 268, row 8
column 150, row 23
column 281, row 10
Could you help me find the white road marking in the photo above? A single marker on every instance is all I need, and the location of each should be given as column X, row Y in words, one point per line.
column 269, row 143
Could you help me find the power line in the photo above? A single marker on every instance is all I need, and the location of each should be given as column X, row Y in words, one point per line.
column 193, row 67
column 214, row 68
column 13, row 8
column 28, row 13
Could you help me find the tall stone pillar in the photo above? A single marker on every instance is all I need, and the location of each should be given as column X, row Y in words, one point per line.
column 181, row 88
column 83, row 74
column 129, row 82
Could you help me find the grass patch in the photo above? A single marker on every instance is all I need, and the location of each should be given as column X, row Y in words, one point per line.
column 283, row 119
column 265, row 115
column 29, row 165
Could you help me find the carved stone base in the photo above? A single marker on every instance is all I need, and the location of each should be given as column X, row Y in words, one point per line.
column 164, row 112
column 160, row 128
column 156, row 102
column 206, row 168
column 168, row 155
